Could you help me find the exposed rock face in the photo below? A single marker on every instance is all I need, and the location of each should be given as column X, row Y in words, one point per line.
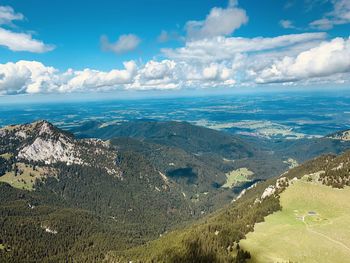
column 44, row 143
column 281, row 183
column 343, row 136
column 50, row 151
column 268, row 191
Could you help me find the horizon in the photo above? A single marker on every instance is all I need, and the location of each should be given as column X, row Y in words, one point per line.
column 128, row 95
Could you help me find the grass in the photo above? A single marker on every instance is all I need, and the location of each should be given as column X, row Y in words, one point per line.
column 2, row 246
column 237, row 176
column 6, row 156
column 25, row 180
column 313, row 226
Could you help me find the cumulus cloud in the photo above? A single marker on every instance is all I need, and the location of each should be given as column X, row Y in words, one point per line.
column 89, row 79
column 125, row 43
column 219, row 22
column 157, row 75
column 158, row 70
column 215, row 62
column 34, row 77
column 328, row 58
column 338, row 16
column 26, row 77
column 16, row 41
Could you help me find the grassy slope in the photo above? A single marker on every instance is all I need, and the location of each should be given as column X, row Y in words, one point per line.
column 324, row 237
column 237, row 176
column 214, row 238
column 24, row 180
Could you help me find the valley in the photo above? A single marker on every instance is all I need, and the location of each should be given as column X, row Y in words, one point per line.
column 139, row 181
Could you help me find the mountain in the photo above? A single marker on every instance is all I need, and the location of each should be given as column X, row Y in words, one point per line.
column 116, row 188
column 54, row 184
column 287, row 218
column 191, row 138
column 264, row 157
column 341, row 135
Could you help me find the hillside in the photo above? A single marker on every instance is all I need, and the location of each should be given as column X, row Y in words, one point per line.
column 115, row 196
column 52, row 184
column 226, row 152
column 293, row 204
column 191, row 138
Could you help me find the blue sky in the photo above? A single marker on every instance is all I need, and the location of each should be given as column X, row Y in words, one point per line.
column 65, row 40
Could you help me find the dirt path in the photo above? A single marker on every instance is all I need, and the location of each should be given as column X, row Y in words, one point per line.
column 323, row 235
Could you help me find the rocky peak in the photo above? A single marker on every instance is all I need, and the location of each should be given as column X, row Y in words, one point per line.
column 42, row 142
column 342, row 135
column 48, row 144
column 32, row 130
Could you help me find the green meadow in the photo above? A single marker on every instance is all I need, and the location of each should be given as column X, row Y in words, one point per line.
column 24, row 180
column 237, row 176
column 313, row 226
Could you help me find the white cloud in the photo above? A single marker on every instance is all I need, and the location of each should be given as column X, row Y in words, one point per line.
column 219, row 22
column 8, row 15
column 338, row 16
column 26, row 77
column 158, row 70
column 22, row 42
column 226, row 48
column 16, row 41
column 89, row 79
column 328, row 58
column 287, row 24
column 322, row 24
column 34, row 77
column 125, row 43
column 201, row 63
column 157, row 75
column 216, row 72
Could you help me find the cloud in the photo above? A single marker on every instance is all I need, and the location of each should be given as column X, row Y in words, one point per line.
column 328, row 58
column 26, row 77
column 34, row 77
column 306, row 58
column 125, row 43
column 163, row 37
column 22, row 42
column 226, row 48
column 16, row 41
column 219, row 22
column 340, row 15
column 163, row 74
column 322, row 24
column 89, row 79
column 158, row 70
column 166, row 36
column 8, row 15
column 287, row 24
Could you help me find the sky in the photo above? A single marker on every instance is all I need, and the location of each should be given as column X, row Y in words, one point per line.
column 70, row 47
